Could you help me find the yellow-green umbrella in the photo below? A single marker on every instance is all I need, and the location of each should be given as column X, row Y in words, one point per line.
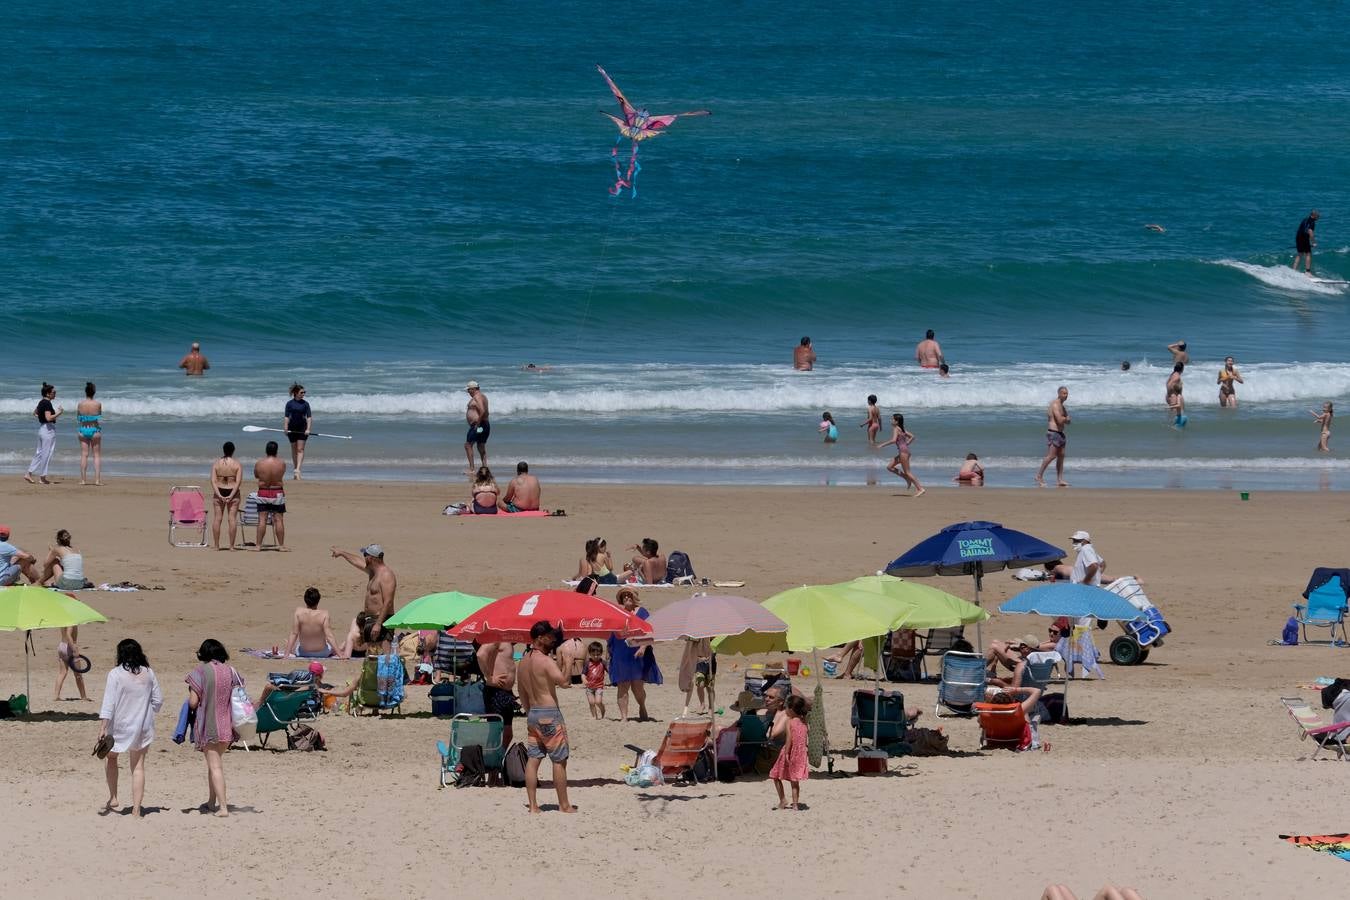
column 929, row 607
column 31, row 607
column 437, row 611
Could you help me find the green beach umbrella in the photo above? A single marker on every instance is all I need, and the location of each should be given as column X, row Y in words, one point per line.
column 31, row 607
column 929, row 607
column 437, row 611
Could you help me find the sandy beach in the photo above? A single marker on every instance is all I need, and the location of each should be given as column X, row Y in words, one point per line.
column 1177, row 780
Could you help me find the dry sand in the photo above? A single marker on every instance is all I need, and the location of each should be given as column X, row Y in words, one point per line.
column 1178, row 781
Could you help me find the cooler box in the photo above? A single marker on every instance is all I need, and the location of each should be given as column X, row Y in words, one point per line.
column 443, row 699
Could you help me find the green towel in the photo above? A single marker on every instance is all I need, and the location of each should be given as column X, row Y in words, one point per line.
column 872, row 654
column 817, row 740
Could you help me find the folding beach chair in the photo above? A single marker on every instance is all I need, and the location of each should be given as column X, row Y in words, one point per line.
column 1038, row 674
column 248, row 520
column 963, row 682
column 1311, row 724
column 1003, row 726
column 187, row 514
column 1326, row 595
column 486, row 731
column 904, row 660
column 282, row 710
column 937, row 642
column 685, row 741
column 381, row 685
column 891, row 723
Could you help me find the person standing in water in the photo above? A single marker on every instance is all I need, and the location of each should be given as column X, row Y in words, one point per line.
column 900, row 465
column 298, row 424
column 1228, row 376
column 928, row 352
column 1304, row 241
column 1056, row 420
column 1323, row 419
column 194, row 363
column 89, row 413
column 873, row 422
column 1179, row 354
column 804, row 356
column 828, row 428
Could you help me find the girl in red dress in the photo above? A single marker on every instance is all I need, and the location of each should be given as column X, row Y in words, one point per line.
column 791, row 763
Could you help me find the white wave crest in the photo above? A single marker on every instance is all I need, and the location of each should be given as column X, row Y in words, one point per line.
column 1284, row 278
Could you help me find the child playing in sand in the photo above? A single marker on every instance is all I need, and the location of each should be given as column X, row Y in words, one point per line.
column 873, row 423
column 791, row 763
column 594, row 678
column 828, row 428
column 1324, row 420
column 972, row 473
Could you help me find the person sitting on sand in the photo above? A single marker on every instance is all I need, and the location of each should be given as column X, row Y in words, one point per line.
column 355, row 647
column 649, row 566
column 522, row 493
column 972, row 473
column 485, row 499
column 596, row 563
column 14, row 562
column 64, row 568
column 311, row 632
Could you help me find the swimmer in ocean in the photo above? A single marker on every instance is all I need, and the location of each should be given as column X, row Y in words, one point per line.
column 531, row 367
column 828, row 428
column 873, row 423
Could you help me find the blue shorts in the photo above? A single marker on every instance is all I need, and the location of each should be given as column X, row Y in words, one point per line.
column 326, row 652
column 9, row 574
column 478, row 434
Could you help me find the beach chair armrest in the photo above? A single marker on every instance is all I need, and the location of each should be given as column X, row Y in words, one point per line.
column 1298, row 609
column 1324, row 729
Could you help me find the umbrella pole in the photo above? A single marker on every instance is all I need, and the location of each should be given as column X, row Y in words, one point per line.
column 876, row 695
column 27, row 675
column 979, row 629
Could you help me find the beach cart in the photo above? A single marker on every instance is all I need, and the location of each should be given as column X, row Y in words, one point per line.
column 1141, row 634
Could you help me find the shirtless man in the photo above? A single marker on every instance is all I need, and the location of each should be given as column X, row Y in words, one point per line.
column 497, row 662
column 803, row 356
column 1179, row 354
column 476, row 414
column 1229, row 378
column 381, row 582
column 1056, row 420
column 540, row 678
column 194, row 363
column 311, row 632
column 649, row 564
column 271, row 474
column 226, row 476
column 928, row 353
column 522, row 494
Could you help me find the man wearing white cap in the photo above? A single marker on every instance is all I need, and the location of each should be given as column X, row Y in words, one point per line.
column 381, row 582
column 1087, row 565
column 479, row 428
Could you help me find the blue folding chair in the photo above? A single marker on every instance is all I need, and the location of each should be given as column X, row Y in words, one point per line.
column 486, row 731
column 888, row 708
column 963, row 682
column 1038, row 674
column 1325, row 607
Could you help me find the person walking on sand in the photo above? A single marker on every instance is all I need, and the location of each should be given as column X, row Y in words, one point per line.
column 210, row 687
column 1229, row 378
column 226, row 476
column 381, row 582
column 928, row 352
column 271, row 474
column 873, row 421
column 131, row 698
column 1304, row 241
column 1323, row 419
column 480, row 429
column 804, row 356
column 194, row 363
column 67, row 652
column 47, row 414
column 89, row 415
column 1056, row 420
column 791, row 763
column 298, row 423
column 900, row 465
column 546, row 732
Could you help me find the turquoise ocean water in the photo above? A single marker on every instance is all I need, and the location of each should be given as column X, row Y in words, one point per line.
column 385, row 200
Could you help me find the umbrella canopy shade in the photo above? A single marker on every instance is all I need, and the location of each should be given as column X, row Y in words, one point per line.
column 31, row 607
column 929, row 607
column 710, row 616
column 968, row 547
column 436, row 611
column 825, row 615
column 578, row 615
column 1072, row 600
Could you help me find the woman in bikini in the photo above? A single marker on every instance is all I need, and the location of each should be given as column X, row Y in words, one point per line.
column 88, row 414
column 485, row 493
column 597, row 563
column 900, row 465
column 1323, row 419
column 1229, row 378
column 226, row 474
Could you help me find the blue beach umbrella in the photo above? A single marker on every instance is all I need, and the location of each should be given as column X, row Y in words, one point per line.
column 973, row 548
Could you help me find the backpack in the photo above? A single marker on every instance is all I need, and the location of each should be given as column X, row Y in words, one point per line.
column 1290, row 637
column 303, row 737
column 513, row 765
column 678, row 566
column 702, row 770
column 472, row 767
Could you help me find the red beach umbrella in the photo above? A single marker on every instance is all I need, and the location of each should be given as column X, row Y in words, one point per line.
column 578, row 615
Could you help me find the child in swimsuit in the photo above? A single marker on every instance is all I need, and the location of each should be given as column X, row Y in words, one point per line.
column 828, row 428
column 1324, row 419
column 594, row 678
column 972, row 472
column 873, row 423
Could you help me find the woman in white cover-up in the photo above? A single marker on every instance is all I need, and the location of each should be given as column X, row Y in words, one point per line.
column 130, row 701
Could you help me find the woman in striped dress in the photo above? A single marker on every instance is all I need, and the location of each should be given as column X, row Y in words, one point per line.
column 210, row 686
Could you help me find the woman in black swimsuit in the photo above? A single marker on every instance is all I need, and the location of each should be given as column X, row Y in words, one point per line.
column 225, row 476
column 485, row 493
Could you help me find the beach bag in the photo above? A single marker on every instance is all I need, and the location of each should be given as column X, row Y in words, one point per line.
column 469, row 699
column 1053, row 710
column 1290, row 637
column 472, row 767
column 513, row 765
column 442, row 697
column 241, row 708
column 678, row 566
column 303, row 737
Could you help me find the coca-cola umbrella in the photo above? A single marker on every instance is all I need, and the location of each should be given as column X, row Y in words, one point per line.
column 578, row 615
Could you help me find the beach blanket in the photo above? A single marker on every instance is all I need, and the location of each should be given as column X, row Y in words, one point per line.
column 265, row 654
column 1335, row 844
column 1031, row 575
column 573, row 583
column 127, row 586
column 459, row 509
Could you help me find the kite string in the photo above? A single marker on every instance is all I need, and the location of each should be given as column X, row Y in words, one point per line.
column 595, row 273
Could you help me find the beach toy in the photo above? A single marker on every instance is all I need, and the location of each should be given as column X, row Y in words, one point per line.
column 794, row 666
column 79, row 664
column 830, row 667
column 1245, row 496
column 806, row 671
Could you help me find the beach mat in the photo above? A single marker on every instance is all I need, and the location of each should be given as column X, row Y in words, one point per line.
column 458, row 512
column 1335, row 844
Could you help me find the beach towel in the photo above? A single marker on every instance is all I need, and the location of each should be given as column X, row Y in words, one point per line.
column 817, row 739
column 1335, row 844
column 572, row 583
column 461, row 509
column 265, row 654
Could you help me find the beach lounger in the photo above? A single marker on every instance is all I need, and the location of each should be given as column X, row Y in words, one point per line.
column 1326, row 595
column 281, row 711
column 1311, row 724
column 938, row 641
column 685, row 741
column 891, row 724
column 963, row 682
column 187, row 516
column 486, row 731
column 1002, row 725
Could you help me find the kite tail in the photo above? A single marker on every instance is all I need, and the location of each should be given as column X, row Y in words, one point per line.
column 624, row 179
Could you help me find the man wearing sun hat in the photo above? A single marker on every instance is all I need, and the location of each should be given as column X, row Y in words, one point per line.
column 14, row 562
column 381, row 582
column 1087, row 565
column 476, row 414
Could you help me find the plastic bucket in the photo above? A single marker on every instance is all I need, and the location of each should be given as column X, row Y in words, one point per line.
column 1245, row 496
column 794, row 666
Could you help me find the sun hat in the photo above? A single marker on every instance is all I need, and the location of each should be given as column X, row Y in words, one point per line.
column 373, row 550
column 1030, row 640
column 1081, row 536
column 471, row 386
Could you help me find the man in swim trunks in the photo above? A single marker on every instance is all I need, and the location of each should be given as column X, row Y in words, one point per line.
column 194, row 363
column 1056, row 420
column 1304, row 241
column 271, row 474
column 14, row 562
column 540, row 677
column 928, row 353
column 497, row 662
column 311, row 631
column 476, row 414
column 381, row 583
column 1229, row 379
column 226, row 475
column 1179, row 354
column 522, row 494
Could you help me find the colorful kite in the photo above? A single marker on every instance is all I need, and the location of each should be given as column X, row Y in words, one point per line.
column 637, row 125
column 1336, row 844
